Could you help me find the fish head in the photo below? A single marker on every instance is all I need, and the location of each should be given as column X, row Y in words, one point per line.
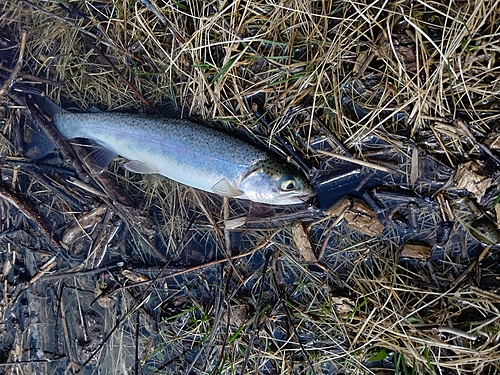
column 274, row 182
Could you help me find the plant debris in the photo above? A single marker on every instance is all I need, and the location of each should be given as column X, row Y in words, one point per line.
column 416, row 251
column 471, row 177
column 303, row 243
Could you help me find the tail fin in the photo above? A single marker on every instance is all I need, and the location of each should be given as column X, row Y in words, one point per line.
column 37, row 143
column 47, row 106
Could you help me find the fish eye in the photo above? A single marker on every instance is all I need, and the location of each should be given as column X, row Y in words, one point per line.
column 288, row 183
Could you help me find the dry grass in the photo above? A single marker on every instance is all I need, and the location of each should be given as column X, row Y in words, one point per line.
column 403, row 72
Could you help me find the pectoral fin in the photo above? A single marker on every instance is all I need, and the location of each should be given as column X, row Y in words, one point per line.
column 137, row 166
column 226, row 189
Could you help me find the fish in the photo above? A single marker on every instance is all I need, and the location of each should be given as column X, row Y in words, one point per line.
column 185, row 151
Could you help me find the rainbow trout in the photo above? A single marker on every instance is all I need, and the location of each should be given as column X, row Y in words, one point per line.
column 184, row 151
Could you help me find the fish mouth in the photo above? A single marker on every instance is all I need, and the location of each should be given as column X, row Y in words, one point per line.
column 288, row 199
column 306, row 198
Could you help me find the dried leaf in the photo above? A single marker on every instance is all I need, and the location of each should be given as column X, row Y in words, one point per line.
column 362, row 218
column 416, row 251
column 471, row 177
column 302, row 242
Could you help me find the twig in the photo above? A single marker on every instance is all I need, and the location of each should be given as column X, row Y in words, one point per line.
column 462, row 124
column 358, row 161
column 18, row 66
column 31, row 361
column 73, row 363
column 62, row 275
column 99, row 248
column 41, row 223
column 115, row 69
column 450, row 330
column 136, row 352
column 34, row 78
